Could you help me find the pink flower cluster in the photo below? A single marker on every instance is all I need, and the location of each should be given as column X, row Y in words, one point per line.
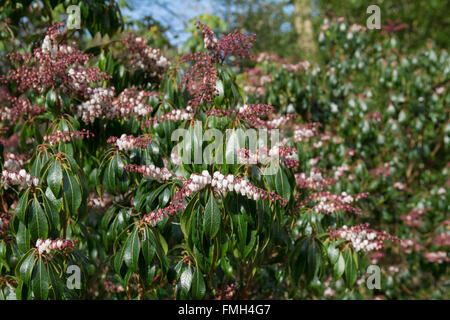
column 65, row 136
column 437, row 257
column 174, row 115
column 144, row 57
column 306, row 132
column 414, row 218
column 363, row 238
column 233, row 44
column 50, row 65
column 442, row 240
column 17, row 108
column 49, row 245
column 21, row 178
column 328, row 203
column 410, row 245
column 129, row 142
column 315, row 180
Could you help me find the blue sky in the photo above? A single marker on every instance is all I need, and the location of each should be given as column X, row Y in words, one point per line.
column 172, row 13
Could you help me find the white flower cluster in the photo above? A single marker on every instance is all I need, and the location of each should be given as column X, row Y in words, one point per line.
column 48, row 245
column 21, row 178
column 223, row 184
column 98, row 106
column 12, row 163
column 199, row 181
column 159, row 174
column 126, row 142
column 127, row 106
column 361, row 241
column 155, row 57
column 179, row 114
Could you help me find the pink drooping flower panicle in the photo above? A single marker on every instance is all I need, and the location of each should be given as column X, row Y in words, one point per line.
column 363, row 238
column 13, row 162
column 306, row 132
column 222, row 184
column 175, row 205
column 234, row 44
column 129, row 142
column 265, row 155
column 253, row 113
column 327, row 203
column 153, row 172
column 414, row 218
column 436, row 257
column 410, row 245
column 220, row 113
column 144, row 57
column 315, row 180
column 277, row 122
column 174, row 115
column 17, row 108
column 54, row 66
column 22, row 178
column 65, row 136
column 199, row 79
column 49, row 245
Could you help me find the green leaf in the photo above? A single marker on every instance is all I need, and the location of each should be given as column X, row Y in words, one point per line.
column 350, row 274
column 148, row 247
column 186, row 217
column 131, row 253
column 198, row 285
column 25, row 266
column 186, row 280
column 72, row 192
column 282, row 184
column 21, row 208
column 37, row 221
column 23, row 238
column 339, row 267
column 211, row 217
column 51, row 212
column 39, row 282
column 333, row 253
column 54, row 177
